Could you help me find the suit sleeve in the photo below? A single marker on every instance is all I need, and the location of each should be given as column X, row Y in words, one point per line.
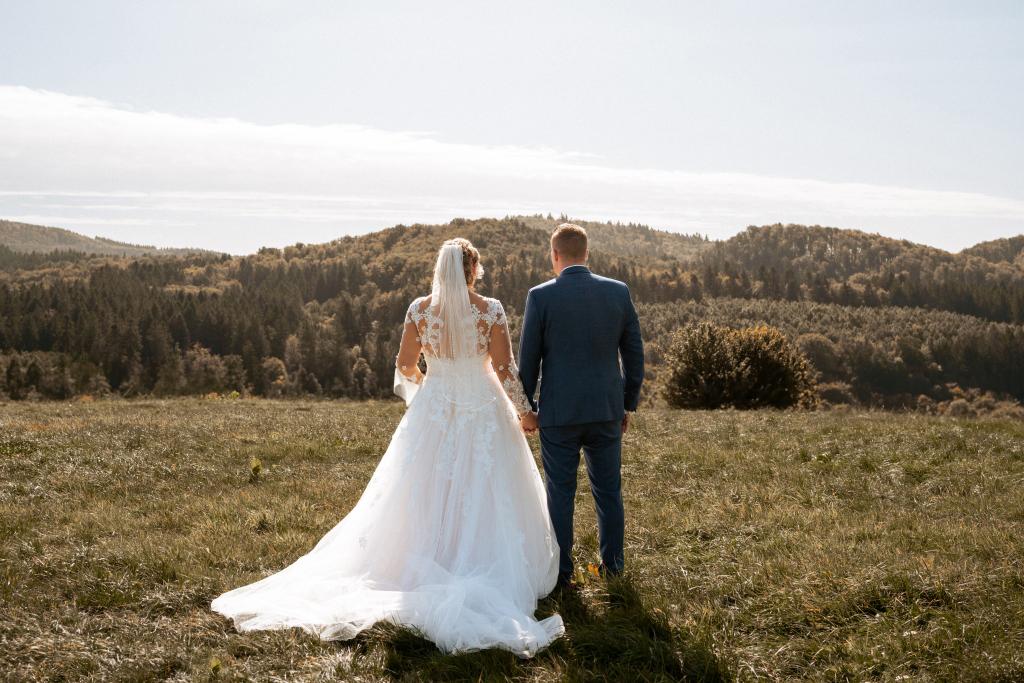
column 530, row 345
column 631, row 349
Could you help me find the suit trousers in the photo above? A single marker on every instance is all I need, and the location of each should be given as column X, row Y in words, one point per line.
column 601, row 443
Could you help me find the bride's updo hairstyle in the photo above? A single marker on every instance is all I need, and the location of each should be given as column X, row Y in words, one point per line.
column 470, row 260
column 458, row 265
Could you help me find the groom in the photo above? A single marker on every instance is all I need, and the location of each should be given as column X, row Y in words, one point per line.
column 575, row 328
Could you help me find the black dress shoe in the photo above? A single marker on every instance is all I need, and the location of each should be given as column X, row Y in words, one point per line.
column 605, row 572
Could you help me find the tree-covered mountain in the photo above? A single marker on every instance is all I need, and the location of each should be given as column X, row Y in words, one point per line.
column 1007, row 249
column 26, row 238
column 849, row 267
column 887, row 321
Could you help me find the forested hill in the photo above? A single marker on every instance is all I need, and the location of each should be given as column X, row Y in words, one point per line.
column 854, row 268
column 325, row 318
column 1009, row 249
column 25, row 238
column 789, row 262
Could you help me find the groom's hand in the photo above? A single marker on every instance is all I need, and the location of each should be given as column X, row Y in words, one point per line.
column 625, row 421
column 528, row 422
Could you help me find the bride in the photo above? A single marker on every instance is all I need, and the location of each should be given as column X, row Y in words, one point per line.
column 451, row 536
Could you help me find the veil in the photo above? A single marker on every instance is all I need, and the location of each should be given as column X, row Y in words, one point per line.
column 449, row 297
column 451, row 328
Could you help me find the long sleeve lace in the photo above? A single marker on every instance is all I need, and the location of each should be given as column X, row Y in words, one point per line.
column 407, row 370
column 504, row 363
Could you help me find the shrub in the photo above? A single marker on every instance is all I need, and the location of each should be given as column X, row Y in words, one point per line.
column 836, row 393
column 974, row 402
column 710, row 366
column 700, row 367
column 959, row 407
column 274, row 376
column 825, row 357
column 204, row 372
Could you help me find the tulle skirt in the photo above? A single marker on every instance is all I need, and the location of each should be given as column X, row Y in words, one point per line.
column 451, row 536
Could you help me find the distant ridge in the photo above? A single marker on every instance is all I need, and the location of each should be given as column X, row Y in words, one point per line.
column 28, row 238
column 1008, row 249
column 655, row 246
column 886, row 322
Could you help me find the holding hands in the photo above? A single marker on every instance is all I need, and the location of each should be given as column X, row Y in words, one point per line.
column 528, row 421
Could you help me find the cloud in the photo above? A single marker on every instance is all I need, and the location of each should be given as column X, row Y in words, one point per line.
column 154, row 177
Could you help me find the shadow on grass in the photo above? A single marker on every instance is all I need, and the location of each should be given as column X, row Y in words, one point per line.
column 610, row 636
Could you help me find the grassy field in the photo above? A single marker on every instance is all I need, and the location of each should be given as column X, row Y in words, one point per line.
column 759, row 546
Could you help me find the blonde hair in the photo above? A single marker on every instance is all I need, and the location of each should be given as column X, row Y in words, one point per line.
column 570, row 240
column 470, row 259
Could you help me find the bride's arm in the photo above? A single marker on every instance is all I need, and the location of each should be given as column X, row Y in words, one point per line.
column 504, row 363
column 407, row 361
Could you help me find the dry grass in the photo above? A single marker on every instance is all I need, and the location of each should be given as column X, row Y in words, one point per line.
column 760, row 546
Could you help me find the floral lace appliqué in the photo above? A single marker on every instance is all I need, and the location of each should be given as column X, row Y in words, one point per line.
column 491, row 319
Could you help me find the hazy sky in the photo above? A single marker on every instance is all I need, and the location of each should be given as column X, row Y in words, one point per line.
column 232, row 125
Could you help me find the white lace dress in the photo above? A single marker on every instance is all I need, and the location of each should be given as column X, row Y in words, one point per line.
column 451, row 536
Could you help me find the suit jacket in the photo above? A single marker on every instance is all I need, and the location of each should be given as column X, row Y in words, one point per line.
column 575, row 329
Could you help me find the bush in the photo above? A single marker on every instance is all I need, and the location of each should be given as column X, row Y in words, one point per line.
column 974, row 402
column 275, row 376
column 959, row 407
column 836, row 393
column 710, row 366
column 204, row 372
column 825, row 357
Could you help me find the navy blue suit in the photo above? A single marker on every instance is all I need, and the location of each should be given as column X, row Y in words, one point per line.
column 575, row 329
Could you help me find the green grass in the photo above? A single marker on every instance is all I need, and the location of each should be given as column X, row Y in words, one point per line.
column 762, row 546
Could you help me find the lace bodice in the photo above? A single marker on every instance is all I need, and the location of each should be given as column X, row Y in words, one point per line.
column 428, row 325
column 423, row 332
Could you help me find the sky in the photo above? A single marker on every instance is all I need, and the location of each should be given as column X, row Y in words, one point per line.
column 236, row 125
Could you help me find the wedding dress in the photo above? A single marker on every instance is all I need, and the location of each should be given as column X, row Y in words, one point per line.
column 451, row 536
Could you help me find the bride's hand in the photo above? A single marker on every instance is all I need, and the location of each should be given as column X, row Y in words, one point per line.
column 528, row 421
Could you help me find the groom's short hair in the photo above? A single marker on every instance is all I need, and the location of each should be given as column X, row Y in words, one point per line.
column 570, row 240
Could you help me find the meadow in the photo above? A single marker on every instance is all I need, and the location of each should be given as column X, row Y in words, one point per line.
column 767, row 546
